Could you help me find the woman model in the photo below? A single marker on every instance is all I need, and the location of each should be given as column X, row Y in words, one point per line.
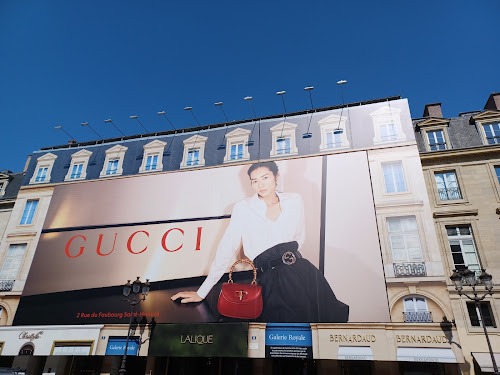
column 271, row 226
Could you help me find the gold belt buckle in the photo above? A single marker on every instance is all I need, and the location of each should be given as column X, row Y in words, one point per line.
column 288, row 258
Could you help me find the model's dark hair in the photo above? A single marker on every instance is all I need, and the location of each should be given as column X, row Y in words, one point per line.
column 271, row 165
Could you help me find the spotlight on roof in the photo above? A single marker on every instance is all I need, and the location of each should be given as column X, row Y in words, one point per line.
column 218, row 103
column 84, row 123
column 133, row 117
column 309, row 88
column 341, row 82
column 188, row 108
column 281, row 93
column 247, row 98
column 159, row 113
column 108, row 120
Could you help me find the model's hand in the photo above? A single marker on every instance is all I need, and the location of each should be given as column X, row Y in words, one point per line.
column 187, row 297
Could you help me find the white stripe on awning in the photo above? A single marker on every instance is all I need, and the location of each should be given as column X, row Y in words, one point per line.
column 443, row 355
column 355, row 353
column 484, row 361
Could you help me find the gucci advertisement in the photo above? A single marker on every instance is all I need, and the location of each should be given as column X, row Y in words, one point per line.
column 304, row 224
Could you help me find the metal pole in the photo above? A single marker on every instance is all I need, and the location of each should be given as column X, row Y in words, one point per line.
column 478, row 307
column 124, row 359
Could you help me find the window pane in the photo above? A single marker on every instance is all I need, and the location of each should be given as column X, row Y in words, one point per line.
column 492, row 132
column 12, row 262
column 436, row 140
column 405, row 245
column 29, row 212
column 447, row 186
column 393, row 177
column 283, row 146
column 112, row 167
column 497, row 171
column 193, row 157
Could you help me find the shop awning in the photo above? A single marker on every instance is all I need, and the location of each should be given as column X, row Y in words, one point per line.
column 355, row 353
column 443, row 355
column 484, row 361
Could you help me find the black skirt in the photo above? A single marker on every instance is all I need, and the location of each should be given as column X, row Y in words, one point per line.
column 294, row 291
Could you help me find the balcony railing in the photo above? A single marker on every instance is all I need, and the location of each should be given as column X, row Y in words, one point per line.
column 409, row 269
column 448, row 194
column 418, row 317
column 6, row 285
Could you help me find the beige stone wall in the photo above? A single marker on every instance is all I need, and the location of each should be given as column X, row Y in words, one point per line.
column 480, row 198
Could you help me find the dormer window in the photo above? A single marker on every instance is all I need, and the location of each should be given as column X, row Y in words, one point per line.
column 492, row 133
column 152, row 159
column 78, row 167
column 333, row 133
column 43, row 169
column 436, row 140
column 387, row 125
column 113, row 163
column 3, row 183
column 435, row 134
column 194, row 151
column 237, row 145
column 283, row 138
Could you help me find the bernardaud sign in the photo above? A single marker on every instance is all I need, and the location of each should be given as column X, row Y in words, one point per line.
column 168, row 228
column 200, row 340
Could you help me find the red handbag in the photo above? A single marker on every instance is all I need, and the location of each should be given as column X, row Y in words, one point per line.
column 242, row 301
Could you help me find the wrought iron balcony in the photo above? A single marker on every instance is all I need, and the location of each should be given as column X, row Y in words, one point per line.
column 6, row 285
column 450, row 193
column 409, row 269
column 418, row 317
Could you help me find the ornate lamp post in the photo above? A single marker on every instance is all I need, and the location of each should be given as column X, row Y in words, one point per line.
column 134, row 294
column 468, row 278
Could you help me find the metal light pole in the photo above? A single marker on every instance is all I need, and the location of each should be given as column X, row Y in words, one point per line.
column 469, row 278
column 139, row 292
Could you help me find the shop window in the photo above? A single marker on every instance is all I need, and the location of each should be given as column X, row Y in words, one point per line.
column 113, row 163
column 64, row 348
column 436, row 140
column 237, row 145
column 416, row 310
column 12, row 263
column 284, row 140
column 194, row 151
column 333, row 133
column 404, row 239
column 492, row 133
column 394, row 177
column 463, row 249
column 447, row 186
column 29, row 212
column 475, row 314
column 78, row 166
column 387, row 125
column 43, row 169
column 152, row 159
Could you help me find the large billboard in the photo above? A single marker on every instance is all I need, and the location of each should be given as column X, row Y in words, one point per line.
column 308, row 223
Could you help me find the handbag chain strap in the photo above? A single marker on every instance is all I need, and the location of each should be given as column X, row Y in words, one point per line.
column 254, row 281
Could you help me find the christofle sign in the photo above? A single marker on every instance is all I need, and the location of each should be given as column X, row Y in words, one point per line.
column 25, row 335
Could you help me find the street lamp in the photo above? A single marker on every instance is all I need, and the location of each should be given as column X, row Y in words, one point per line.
column 468, row 278
column 134, row 294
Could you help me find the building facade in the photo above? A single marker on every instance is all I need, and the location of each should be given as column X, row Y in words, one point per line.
column 93, row 215
column 461, row 163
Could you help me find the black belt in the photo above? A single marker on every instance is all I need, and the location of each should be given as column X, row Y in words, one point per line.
column 287, row 259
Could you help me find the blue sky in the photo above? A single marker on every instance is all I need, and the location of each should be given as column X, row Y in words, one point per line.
column 67, row 62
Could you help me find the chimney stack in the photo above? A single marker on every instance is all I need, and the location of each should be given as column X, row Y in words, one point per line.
column 433, row 110
column 493, row 102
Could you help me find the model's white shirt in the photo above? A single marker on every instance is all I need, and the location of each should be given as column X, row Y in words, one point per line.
column 250, row 225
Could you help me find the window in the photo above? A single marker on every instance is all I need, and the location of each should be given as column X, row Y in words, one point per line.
column 76, row 171
column 497, row 172
column 447, row 186
column 152, row 159
column 463, row 250
column 283, row 138
column 492, row 133
column 416, row 310
column 112, row 167
column 237, row 145
column 41, row 174
column 29, row 212
column 388, row 132
column 12, row 262
column 151, row 162
column 394, row 177
column 3, row 185
column 436, row 140
column 78, row 166
column 113, row 163
column 194, row 151
column 404, row 239
column 43, row 169
column 283, row 146
column 193, row 157
column 333, row 132
column 387, row 125
column 475, row 314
